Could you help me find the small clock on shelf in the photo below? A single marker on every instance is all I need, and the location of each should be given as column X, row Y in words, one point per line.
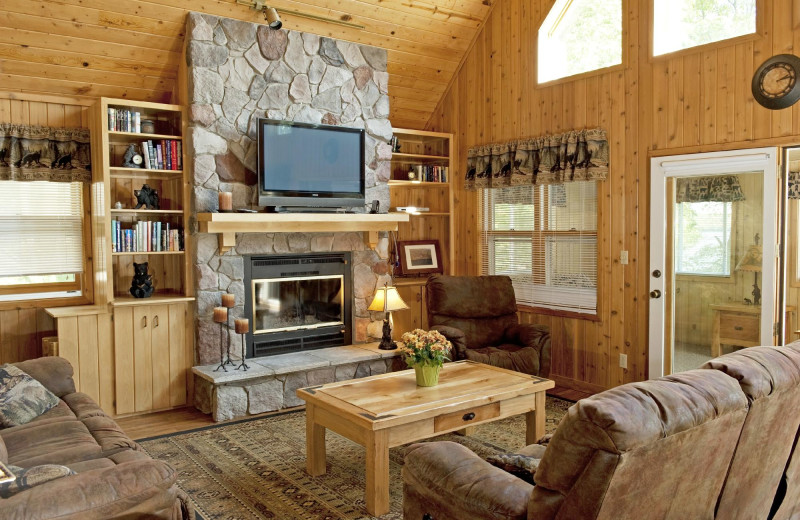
column 132, row 158
column 775, row 83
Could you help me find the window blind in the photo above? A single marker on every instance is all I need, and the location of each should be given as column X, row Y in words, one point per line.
column 545, row 239
column 41, row 228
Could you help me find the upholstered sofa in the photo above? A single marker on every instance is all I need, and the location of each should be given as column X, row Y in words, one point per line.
column 478, row 314
column 717, row 442
column 114, row 477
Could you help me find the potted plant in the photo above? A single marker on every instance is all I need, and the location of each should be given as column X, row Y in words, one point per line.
column 425, row 352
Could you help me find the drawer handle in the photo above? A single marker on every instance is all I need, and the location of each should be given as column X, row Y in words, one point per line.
column 738, row 328
column 469, row 416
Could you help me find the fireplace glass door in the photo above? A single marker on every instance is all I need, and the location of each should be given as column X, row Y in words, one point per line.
column 307, row 302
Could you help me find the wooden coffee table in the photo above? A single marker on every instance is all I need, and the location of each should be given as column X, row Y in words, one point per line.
column 388, row 410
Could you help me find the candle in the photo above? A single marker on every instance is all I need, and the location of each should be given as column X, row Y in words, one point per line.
column 228, row 300
column 220, row 314
column 242, row 326
column 225, row 201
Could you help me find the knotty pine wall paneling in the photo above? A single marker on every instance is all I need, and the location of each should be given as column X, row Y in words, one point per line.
column 22, row 329
column 693, row 101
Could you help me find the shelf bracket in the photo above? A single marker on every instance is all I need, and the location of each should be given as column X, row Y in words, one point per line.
column 226, row 242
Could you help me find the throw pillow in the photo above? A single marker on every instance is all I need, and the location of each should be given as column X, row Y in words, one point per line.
column 29, row 477
column 521, row 466
column 22, row 398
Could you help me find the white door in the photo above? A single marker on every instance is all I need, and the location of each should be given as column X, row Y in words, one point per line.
column 713, row 230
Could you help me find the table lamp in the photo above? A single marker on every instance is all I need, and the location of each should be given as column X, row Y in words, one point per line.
column 387, row 300
column 751, row 262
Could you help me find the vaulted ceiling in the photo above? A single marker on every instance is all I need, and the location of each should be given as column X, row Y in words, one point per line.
column 131, row 48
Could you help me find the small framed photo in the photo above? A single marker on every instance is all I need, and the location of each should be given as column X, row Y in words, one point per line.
column 419, row 257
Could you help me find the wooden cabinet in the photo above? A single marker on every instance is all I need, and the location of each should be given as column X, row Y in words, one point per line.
column 150, row 356
column 416, row 316
column 421, row 178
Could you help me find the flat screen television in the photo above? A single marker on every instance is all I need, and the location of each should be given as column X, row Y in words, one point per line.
column 309, row 166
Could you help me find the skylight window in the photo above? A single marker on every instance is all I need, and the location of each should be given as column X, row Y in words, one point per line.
column 579, row 36
column 682, row 24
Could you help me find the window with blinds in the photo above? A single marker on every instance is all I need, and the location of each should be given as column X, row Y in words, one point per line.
column 41, row 235
column 703, row 244
column 545, row 239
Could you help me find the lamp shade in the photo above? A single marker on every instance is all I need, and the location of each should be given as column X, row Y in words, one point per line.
column 387, row 299
column 751, row 261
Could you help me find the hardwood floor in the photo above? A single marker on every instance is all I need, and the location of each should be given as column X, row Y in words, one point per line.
column 188, row 418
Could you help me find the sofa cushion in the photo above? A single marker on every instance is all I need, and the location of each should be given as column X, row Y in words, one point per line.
column 455, row 296
column 511, row 357
column 22, row 398
column 55, row 373
column 29, row 477
column 52, row 443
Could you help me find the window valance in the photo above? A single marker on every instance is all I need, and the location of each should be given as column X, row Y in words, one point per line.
column 41, row 153
column 718, row 188
column 580, row 155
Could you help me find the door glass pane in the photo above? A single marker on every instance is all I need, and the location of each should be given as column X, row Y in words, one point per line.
column 714, row 272
column 297, row 303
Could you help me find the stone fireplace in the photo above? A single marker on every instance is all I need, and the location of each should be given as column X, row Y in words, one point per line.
column 239, row 72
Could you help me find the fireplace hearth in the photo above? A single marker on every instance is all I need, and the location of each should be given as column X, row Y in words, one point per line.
column 298, row 302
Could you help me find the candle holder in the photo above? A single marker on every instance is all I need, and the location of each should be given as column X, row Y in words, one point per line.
column 220, row 316
column 242, row 327
column 228, row 301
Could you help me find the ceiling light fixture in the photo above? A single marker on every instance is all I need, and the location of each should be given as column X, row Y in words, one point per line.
column 272, row 15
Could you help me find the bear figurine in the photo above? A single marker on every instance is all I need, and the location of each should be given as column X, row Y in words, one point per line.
column 142, row 285
column 147, row 197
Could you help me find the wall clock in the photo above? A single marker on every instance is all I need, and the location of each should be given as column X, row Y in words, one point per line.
column 776, row 83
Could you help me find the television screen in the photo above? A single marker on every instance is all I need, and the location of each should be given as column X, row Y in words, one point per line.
column 310, row 161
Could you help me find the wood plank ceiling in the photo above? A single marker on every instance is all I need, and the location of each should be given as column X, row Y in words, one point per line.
column 131, row 48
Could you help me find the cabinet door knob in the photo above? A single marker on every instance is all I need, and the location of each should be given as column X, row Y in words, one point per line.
column 155, row 321
column 144, row 322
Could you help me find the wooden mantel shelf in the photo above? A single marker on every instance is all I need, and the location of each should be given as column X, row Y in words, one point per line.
column 228, row 224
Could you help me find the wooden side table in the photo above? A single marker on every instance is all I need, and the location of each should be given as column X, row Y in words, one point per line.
column 739, row 324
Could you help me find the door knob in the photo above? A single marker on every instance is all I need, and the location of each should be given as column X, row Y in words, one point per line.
column 656, row 274
column 655, row 293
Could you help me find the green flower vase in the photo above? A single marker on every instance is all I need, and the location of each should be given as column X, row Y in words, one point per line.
column 427, row 375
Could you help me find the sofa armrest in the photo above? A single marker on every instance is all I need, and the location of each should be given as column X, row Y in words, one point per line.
column 55, row 373
column 456, row 337
column 448, row 481
column 132, row 490
column 534, row 336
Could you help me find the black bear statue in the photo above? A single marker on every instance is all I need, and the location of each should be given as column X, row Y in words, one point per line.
column 147, row 197
column 142, row 285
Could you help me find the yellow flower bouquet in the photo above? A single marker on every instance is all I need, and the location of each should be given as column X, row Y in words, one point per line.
column 425, row 352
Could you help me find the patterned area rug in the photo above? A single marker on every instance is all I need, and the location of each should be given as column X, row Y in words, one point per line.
column 255, row 468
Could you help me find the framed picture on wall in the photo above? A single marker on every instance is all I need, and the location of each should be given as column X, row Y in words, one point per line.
column 419, row 257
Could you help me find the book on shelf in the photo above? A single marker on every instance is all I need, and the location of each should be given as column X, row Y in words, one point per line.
column 164, row 154
column 145, row 236
column 123, row 120
column 430, row 173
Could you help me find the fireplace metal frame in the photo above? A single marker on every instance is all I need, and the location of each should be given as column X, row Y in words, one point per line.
column 292, row 267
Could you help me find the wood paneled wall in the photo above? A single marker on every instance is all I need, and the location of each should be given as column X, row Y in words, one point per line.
column 697, row 100
column 22, row 329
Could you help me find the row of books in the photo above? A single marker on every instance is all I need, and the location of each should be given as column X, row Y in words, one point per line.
column 120, row 120
column 165, row 154
column 430, row 173
column 146, row 236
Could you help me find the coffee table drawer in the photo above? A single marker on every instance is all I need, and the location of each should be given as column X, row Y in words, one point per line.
column 466, row 417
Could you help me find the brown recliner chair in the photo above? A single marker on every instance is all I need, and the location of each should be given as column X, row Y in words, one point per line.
column 478, row 314
column 657, row 449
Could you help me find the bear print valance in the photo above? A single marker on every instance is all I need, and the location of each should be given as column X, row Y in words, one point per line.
column 41, row 153
column 580, row 155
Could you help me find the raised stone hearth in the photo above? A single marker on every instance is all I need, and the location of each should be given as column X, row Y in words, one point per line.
column 271, row 381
